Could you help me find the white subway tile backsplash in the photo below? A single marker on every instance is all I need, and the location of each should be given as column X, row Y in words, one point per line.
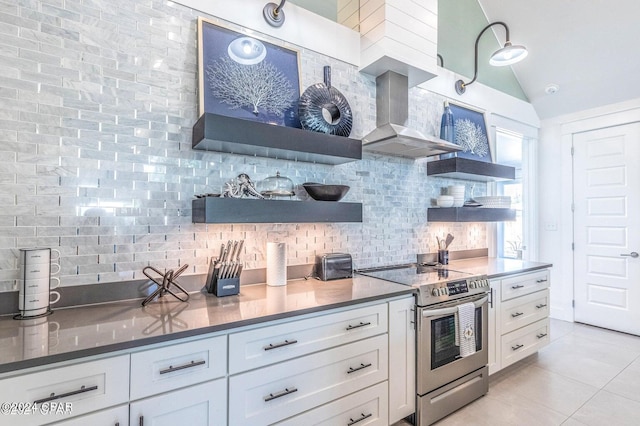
column 97, row 103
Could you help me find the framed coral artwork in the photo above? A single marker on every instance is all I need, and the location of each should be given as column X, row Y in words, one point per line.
column 470, row 132
column 244, row 76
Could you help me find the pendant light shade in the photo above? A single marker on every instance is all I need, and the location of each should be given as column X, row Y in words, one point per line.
column 509, row 54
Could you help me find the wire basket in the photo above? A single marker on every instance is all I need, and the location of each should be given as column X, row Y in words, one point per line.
column 494, row 202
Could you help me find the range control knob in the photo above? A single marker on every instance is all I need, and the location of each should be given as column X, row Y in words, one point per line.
column 485, row 283
column 444, row 291
column 473, row 284
column 435, row 292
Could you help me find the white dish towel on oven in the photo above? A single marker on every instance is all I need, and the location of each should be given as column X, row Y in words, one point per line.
column 466, row 329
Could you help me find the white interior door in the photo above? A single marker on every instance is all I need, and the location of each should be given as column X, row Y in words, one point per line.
column 606, row 227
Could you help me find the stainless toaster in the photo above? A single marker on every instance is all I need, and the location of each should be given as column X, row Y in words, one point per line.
column 333, row 266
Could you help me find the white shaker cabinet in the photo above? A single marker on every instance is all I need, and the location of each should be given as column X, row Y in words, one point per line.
column 350, row 365
column 519, row 320
column 367, row 407
column 116, row 416
column 83, row 388
column 494, row 327
column 200, row 405
column 402, row 359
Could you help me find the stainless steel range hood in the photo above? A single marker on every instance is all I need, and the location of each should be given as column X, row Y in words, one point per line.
column 391, row 135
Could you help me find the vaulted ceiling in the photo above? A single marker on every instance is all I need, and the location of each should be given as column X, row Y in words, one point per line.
column 588, row 48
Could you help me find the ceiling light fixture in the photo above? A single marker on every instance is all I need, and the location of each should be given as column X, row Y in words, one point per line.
column 509, row 54
column 551, row 89
column 273, row 14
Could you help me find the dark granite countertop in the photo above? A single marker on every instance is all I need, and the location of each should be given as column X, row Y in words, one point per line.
column 77, row 332
column 496, row 267
column 82, row 331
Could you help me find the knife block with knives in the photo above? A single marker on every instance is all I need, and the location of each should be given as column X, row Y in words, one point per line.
column 223, row 278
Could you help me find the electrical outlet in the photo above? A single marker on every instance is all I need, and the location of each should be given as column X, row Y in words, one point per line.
column 551, row 226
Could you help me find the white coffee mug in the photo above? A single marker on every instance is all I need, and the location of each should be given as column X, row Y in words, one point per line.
column 54, row 293
column 39, row 285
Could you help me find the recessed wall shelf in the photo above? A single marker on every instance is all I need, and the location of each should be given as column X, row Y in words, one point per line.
column 470, row 214
column 468, row 169
column 247, row 210
column 213, row 132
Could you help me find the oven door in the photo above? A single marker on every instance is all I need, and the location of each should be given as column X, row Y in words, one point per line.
column 438, row 357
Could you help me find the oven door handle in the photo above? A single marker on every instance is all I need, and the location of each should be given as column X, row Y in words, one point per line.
column 426, row 313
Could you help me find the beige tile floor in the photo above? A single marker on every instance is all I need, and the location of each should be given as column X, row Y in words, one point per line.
column 586, row 376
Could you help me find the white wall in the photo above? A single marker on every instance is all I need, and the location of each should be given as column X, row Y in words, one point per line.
column 556, row 183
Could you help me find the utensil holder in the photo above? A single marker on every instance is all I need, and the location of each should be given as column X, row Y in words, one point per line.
column 443, row 257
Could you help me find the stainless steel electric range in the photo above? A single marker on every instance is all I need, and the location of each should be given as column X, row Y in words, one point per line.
column 445, row 380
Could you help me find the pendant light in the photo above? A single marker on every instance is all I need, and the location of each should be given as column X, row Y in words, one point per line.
column 507, row 55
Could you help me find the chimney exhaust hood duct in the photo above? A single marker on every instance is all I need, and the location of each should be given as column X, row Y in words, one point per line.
column 391, row 135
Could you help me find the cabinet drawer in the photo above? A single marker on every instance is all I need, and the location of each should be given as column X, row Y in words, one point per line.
column 117, row 416
column 268, row 345
column 87, row 387
column 524, row 284
column 365, row 408
column 524, row 310
column 274, row 393
column 200, row 405
column 524, row 341
column 172, row 367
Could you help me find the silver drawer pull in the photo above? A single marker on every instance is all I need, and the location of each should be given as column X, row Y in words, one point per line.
column 541, row 280
column 362, row 324
column 286, row 391
column 541, row 335
column 516, row 347
column 517, row 314
column 362, row 367
column 515, row 287
column 540, row 306
column 363, row 416
column 192, row 364
column 279, row 345
column 53, row 396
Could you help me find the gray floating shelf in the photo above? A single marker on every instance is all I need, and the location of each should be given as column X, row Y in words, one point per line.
column 470, row 214
column 213, row 132
column 465, row 168
column 246, row 210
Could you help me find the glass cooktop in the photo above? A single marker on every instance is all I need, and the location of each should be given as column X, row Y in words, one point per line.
column 415, row 275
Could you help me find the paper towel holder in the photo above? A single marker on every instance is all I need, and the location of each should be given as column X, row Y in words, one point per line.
column 276, row 264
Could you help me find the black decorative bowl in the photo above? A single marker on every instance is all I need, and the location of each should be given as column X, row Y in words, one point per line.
column 321, row 192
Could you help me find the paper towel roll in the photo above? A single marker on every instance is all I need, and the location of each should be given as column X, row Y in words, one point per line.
column 276, row 264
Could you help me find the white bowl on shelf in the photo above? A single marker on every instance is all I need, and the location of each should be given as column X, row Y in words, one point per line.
column 455, row 190
column 495, row 201
column 445, row 201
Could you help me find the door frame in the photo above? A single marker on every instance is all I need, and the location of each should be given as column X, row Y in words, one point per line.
column 598, row 119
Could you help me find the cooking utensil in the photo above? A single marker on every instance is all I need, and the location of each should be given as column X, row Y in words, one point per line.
column 448, row 241
column 236, row 266
column 229, row 263
column 225, row 257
